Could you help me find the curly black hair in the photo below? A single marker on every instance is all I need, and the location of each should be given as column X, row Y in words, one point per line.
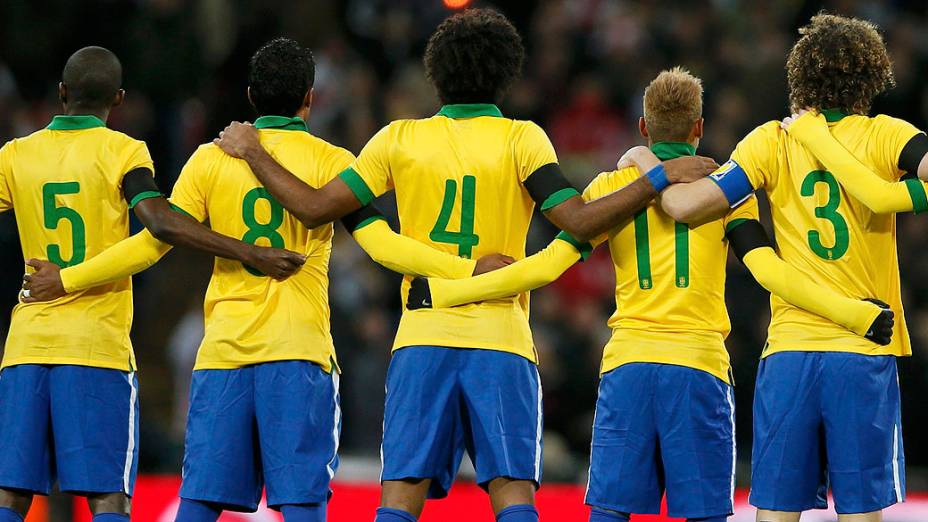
column 279, row 75
column 838, row 63
column 474, row 57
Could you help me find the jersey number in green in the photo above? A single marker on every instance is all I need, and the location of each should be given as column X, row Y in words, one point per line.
column 643, row 253
column 465, row 239
column 53, row 215
column 828, row 212
column 258, row 230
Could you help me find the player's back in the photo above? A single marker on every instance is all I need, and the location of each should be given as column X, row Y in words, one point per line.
column 459, row 179
column 827, row 234
column 670, row 285
column 64, row 183
column 251, row 318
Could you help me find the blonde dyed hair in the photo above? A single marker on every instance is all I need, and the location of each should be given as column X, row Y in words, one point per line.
column 672, row 104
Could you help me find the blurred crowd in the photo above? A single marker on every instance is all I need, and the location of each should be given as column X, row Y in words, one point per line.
column 588, row 61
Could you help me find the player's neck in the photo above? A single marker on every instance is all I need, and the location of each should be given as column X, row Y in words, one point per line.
column 666, row 150
column 103, row 115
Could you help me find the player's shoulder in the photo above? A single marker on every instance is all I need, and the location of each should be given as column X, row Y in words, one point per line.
column 887, row 122
column 610, row 181
column 326, row 149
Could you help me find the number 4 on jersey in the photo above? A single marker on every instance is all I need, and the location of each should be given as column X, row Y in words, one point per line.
column 465, row 238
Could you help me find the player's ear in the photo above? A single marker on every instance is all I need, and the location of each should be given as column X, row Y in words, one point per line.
column 697, row 128
column 119, row 98
column 62, row 92
column 308, row 99
column 642, row 127
column 248, row 93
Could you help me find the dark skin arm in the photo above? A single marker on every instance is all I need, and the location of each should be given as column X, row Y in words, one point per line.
column 178, row 229
column 587, row 220
column 313, row 207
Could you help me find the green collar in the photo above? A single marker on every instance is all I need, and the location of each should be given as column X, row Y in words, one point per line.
column 668, row 150
column 65, row 122
column 282, row 123
column 470, row 110
column 833, row 115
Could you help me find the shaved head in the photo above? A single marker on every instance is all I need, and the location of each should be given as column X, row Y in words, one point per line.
column 92, row 78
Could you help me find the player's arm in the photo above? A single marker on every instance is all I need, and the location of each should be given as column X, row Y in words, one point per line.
column 527, row 274
column 313, row 207
column 751, row 244
column 858, row 180
column 179, row 229
column 584, row 220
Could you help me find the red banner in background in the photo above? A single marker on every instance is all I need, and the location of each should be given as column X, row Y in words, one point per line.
column 156, row 501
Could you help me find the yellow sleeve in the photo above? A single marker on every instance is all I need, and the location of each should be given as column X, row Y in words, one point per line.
column 6, row 167
column 756, row 154
column 136, row 156
column 749, row 210
column 370, row 176
column 527, row 274
column 889, row 138
column 878, row 194
column 782, row 279
column 339, row 160
column 408, row 256
column 189, row 195
column 129, row 256
column 533, row 150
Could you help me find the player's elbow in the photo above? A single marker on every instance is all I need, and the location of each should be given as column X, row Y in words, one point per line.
column 681, row 211
column 164, row 228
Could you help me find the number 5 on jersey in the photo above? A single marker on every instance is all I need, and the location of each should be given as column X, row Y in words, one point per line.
column 465, row 238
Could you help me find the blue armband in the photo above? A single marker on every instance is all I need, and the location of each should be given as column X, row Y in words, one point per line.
column 658, row 177
column 734, row 182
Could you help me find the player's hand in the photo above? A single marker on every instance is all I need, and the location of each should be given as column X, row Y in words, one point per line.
column 420, row 295
column 492, row 262
column 276, row 262
column 238, row 139
column 788, row 121
column 881, row 331
column 687, row 169
column 640, row 157
column 42, row 285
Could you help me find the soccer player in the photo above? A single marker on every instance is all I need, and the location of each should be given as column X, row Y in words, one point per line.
column 466, row 181
column 665, row 388
column 264, row 398
column 826, row 408
column 68, row 389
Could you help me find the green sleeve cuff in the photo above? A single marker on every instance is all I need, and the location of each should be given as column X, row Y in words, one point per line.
column 142, row 196
column 917, row 193
column 357, row 186
column 735, row 223
column 585, row 249
column 368, row 221
column 557, row 198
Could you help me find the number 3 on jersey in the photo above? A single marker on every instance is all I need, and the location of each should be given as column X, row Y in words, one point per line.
column 258, row 230
column 827, row 212
column 465, row 238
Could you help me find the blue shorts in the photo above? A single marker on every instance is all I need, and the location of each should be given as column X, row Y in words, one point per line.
column 441, row 401
column 275, row 424
column 663, row 427
column 825, row 419
column 75, row 423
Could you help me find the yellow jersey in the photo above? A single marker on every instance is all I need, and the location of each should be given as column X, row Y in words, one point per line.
column 670, row 282
column 251, row 318
column 65, row 183
column 458, row 178
column 826, row 234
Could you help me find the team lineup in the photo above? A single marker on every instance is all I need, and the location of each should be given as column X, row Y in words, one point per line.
column 264, row 415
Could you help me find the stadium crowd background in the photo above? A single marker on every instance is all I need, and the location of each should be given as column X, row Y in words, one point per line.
column 185, row 65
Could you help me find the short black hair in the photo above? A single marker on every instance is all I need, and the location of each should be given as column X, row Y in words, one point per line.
column 93, row 76
column 474, row 57
column 279, row 75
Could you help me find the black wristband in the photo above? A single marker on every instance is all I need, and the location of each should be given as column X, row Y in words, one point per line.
column 139, row 185
column 746, row 235
column 913, row 152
